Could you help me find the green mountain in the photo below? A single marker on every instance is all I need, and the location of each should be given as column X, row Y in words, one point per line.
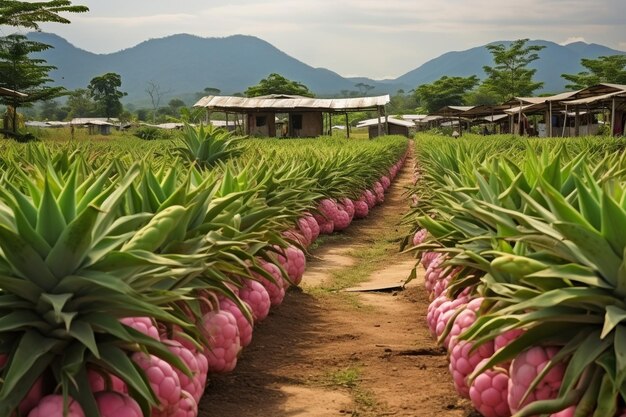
column 183, row 65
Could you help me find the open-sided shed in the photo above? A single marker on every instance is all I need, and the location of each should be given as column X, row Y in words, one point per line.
column 307, row 117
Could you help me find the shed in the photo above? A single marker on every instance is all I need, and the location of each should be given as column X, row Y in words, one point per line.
column 395, row 127
column 306, row 116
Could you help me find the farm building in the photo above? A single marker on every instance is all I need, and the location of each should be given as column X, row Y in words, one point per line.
column 394, row 127
column 304, row 116
column 96, row 125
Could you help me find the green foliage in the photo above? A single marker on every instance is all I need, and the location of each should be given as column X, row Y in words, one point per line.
column 24, row 74
column 605, row 69
column 446, row 91
column 151, row 133
column 277, row 84
column 510, row 76
column 80, row 103
column 208, row 145
column 104, row 89
column 30, row 14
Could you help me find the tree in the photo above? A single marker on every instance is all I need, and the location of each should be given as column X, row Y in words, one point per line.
column 446, row 91
column 364, row 89
column 510, row 76
column 24, row 74
column 154, row 91
column 277, row 84
column 29, row 14
column 104, row 89
column 52, row 110
column 605, row 69
column 80, row 103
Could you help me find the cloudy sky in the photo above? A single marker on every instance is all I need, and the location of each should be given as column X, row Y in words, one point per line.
column 375, row 38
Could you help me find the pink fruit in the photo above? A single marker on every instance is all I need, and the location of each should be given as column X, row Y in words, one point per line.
column 305, row 230
column 52, row 406
column 275, row 289
column 433, row 273
column 463, row 321
column 385, row 182
column 220, row 329
column 326, row 225
column 488, row 392
column 32, row 398
column 188, row 384
column 523, row 371
column 379, row 192
column 568, row 412
column 294, row 262
column 445, row 312
column 313, row 225
column 187, row 407
column 295, row 236
column 144, row 325
column 505, row 338
column 369, row 197
column 434, row 312
column 105, row 382
column 245, row 327
column 428, row 257
column 115, row 404
column 341, row 220
column 419, row 237
column 257, row 298
column 162, row 377
column 463, row 363
column 361, row 209
column 348, row 206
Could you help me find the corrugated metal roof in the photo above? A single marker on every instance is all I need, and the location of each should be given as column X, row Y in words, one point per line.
column 11, row 93
column 594, row 99
column 390, row 120
column 293, row 102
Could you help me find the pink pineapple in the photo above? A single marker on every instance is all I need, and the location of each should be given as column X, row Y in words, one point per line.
column 187, row 407
column 145, row 325
column 294, row 262
column 428, row 258
column 115, row 404
column 524, row 368
column 505, row 338
column 105, row 382
column 313, row 225
column 369, row 198
column 32, row 398
column 488, row 392
column 568, row 412
column 245, row 327
column 162, row 377
column 275, row 289
column 463, row 361
column 445, row 312
column 420, row 236
column 433, row 273
column 305, row 230
column 328, row 213
column 379, row 192
column 296, row 236
column 52, row 406
column 342, row 220
column 385, row 182
column 189, row 384
column 463, row 321
column 348, row 206
column 361, row 209
column 220, row 329
column 255, row 295
column 433, row 312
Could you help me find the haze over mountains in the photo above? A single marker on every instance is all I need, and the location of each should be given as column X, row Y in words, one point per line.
column 183, row 65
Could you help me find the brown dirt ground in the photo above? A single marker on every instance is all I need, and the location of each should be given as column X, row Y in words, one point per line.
column 329, row 353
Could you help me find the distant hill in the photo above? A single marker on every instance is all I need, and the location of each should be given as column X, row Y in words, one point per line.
column 183, row 65
column 553, row 61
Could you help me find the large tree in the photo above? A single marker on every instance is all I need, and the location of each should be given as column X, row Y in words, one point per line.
column 30, row 14
column 277, row 84
column 446, row 91
column 510, row 76
column 605, row 69
column 104, row 89
column 80, row 103
column 21, row 73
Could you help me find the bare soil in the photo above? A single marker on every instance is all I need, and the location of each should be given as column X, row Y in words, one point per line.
column 326, row 352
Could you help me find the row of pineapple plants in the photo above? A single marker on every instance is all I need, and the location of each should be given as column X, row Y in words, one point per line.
column 524, row 263
column 124, row 284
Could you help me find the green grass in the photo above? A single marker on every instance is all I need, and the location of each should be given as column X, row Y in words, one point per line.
column 350, row 378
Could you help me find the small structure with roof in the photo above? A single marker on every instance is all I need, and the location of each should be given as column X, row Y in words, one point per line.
column 305, row 116
column 96, row 125
column 395, row 127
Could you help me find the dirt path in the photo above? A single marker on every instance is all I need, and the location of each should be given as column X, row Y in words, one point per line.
column 326, row 352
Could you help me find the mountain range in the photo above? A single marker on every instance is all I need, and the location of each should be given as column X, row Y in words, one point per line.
column 183, row 65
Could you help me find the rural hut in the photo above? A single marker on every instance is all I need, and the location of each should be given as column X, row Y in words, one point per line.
column 304, row 116
column 394, row 127
column 96, row 125
column 606, row 99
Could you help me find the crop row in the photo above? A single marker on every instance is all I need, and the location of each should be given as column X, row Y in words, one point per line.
column 128, row 274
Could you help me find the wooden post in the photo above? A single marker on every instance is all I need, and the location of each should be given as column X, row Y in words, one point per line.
column 519, row 118
column 564, row 122
column 227, row 121
column 577, row 123
column 613, row 118
column 347, row 127
column 386, row 123
column 380, row 127
column 550, row 121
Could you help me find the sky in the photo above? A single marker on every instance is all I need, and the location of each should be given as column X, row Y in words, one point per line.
column 374, row 38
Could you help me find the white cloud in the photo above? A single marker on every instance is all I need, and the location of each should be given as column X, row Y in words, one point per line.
column 573, row 39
